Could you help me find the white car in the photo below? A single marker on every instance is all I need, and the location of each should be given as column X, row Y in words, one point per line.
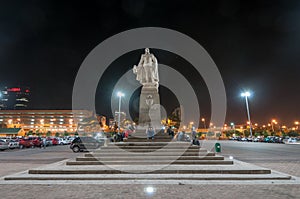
column 12, row 144
column 291, row 140
column 62, row 141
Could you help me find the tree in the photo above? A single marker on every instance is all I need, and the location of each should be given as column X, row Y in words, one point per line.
column 257, row 134
column 48, row 133
column 76, row 133
column 246, row 133
column 57, row 134
column 293, row 134
column 66, row 133
column 30, row 133
column 228, row 133
column 266, row 134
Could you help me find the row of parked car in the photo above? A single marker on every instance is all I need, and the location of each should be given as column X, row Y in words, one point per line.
column 32, row 141
column 268, row 139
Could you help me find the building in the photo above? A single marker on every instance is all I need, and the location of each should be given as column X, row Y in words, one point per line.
column 14, row 98
column 11, row 132
column 42, row 121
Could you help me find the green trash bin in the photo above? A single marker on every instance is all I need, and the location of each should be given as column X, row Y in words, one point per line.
column 218, row 147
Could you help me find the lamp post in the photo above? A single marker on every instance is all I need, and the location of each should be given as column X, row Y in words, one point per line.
column 246, row 95
column 272, row 123
column 203, row 120
column 120, row 95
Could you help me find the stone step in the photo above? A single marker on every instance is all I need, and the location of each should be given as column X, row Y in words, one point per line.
column 150, row 143
column 202, row 154
column 145, row 136
column 115, row 177
column 77, row 171
column 148, row 140
column 149, row 157
column 152, row 162
column 107, row 150
column 150, row 147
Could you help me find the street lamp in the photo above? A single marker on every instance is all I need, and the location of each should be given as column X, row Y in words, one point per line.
column 297, row 124
column 203, row 120
column 120, row 95
column 272, row 123
column 246, row 95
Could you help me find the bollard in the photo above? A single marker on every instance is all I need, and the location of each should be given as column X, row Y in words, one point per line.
column 218, row 147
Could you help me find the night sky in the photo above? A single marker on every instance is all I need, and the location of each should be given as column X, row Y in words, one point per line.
column 255, row 45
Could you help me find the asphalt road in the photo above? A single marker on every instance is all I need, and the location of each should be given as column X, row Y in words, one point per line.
column 261, row 152
column 284, row 158
column 17, row 160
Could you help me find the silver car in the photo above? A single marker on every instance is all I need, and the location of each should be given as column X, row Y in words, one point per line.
column 3, row 145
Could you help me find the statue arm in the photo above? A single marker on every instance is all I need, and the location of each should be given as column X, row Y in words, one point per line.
column 134, row 69
column 155, row 67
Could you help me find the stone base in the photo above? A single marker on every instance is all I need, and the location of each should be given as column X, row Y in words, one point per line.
column 149, row 112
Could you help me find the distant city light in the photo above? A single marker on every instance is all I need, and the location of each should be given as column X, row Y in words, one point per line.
column 14, row 89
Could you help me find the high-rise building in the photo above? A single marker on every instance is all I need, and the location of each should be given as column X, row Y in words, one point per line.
column 14, row 98
column 43, row 120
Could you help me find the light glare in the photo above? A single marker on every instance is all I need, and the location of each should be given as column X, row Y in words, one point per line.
column 120, row 94
column 246, row 94
column 149, row 190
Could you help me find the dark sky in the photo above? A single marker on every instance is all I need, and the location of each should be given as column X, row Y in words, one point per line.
column 255, row 45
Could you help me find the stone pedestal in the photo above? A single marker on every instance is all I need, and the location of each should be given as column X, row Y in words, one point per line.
column 149, row 114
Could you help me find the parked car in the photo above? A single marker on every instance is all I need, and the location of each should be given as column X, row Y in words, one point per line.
column 291, row 140
column 62, row 141
column 54, row 141
column 49, row 141
column 25, row 142
column 85, row 143
column 37, row 141
column 3, row 145
column 12, row 144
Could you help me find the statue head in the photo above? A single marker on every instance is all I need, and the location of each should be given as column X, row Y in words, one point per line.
column 147, row 51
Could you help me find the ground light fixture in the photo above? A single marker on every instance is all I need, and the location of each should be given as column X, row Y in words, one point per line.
column 149, row 190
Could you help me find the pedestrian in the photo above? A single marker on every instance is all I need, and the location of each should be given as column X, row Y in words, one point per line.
column 170, row 132
column 150, row 133
column 44, row 143
column 181, row 136
column 195, row 141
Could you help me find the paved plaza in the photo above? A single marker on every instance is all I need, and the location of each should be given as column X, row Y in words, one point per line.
column 279, row 157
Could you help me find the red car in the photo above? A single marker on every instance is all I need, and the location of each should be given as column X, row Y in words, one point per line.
column 25, row 142
column 54, row 141
column 37, row 141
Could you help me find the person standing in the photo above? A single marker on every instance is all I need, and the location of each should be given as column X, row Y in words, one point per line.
column 44, row 143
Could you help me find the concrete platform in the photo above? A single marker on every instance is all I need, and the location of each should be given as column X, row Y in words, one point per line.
column 149, row 158
column 151, row 162
column 239, row 171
